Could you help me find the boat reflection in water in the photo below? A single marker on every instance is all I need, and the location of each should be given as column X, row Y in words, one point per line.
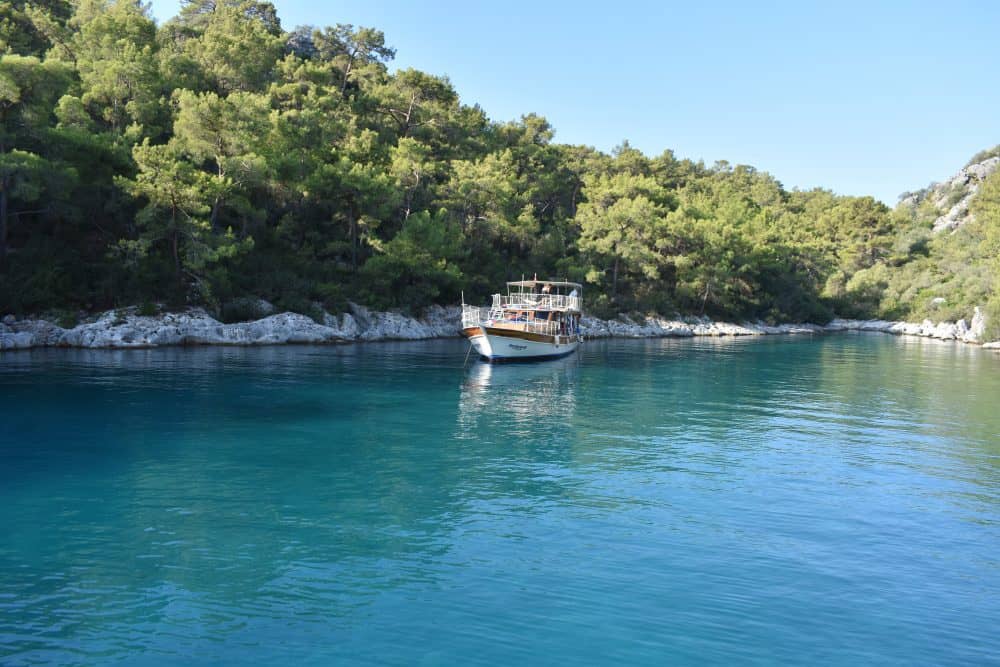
column 514, row 399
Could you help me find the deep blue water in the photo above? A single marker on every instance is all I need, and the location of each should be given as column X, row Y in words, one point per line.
column 780, row 500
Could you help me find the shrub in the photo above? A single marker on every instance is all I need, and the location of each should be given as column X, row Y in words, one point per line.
column 992, row 313
column 984, row 155
column 298, row 304
column 239, row 310
column 67, row 319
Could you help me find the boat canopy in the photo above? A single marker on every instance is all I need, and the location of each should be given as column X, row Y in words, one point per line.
column 540, row 296
column 554, row 284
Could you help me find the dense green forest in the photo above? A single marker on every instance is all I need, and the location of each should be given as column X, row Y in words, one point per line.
column 218, row 156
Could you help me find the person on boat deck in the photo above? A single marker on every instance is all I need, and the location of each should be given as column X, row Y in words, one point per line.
column 546, row 288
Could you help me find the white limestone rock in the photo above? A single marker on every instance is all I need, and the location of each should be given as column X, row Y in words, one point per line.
column 626, row 327
column 838, row 324
column 39, row 332
column 344, row 325
column 669, row 328
column 799, row 328
column 876, row 325
column 906, row 329
column 593, row 327
column 623, row 327
column 859, row 325
column 17, row 341
column 195, row 327
column 436, row 323
column 444, row 321
column 945, row 331
column 124, row 328
column 966, row 183
column 725, row 329
column 978, row 327
column 276, row 329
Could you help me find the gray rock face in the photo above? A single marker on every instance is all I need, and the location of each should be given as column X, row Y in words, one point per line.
column 657, row 327
column 17, row 341
column 860, row 325
column 126, row 329
column 626, row 327
column 959, row 331
column 978, row 327
column 438, row 322
column 954, row 195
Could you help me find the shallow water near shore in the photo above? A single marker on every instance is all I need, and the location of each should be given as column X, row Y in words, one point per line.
column 828, row 500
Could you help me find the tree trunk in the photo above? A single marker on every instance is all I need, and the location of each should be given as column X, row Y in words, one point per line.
column 3, row 223
column 704, row 301
column 215, row 212
column 614, row 282
column 4, row 185
column 175, row 243
column 354, row 240
column 347, row 74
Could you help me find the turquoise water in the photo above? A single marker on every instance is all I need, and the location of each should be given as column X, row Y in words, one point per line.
column 812, row 501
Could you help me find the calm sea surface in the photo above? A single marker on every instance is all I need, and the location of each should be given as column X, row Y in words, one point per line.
column 817, row 501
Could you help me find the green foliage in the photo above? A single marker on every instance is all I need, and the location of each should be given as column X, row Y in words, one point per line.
column 241, row 309
column 417, row 267
column 26, row 28
column 217, row 159
column 984, row 155
column 621, row 223
column 67, row 319
column 992, row 313
column 113, row 47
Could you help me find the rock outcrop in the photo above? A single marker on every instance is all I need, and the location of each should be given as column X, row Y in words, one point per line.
column 626, row 327
column 127, row 329
column 438, row 322
column 952, row 197
column 658, row 327
column 958, row 331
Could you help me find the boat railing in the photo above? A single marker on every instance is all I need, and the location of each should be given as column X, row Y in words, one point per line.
column 537, row 301
column 474, row 316
column 506, row 320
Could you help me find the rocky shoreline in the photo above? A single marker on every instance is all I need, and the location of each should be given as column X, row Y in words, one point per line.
column 125, row 328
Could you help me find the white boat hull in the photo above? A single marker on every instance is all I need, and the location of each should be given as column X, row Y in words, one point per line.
column 497, row 347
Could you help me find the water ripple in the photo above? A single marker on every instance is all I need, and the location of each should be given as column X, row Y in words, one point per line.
column 830, row 500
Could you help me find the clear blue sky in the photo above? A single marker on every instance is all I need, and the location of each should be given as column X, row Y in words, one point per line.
column 859, row 97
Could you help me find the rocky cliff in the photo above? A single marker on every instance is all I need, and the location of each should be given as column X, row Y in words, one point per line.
column 953, row 196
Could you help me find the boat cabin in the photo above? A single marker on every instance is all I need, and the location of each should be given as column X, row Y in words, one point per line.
column 548, row 307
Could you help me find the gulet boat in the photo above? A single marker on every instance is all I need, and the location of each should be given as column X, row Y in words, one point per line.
column 536, row 319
